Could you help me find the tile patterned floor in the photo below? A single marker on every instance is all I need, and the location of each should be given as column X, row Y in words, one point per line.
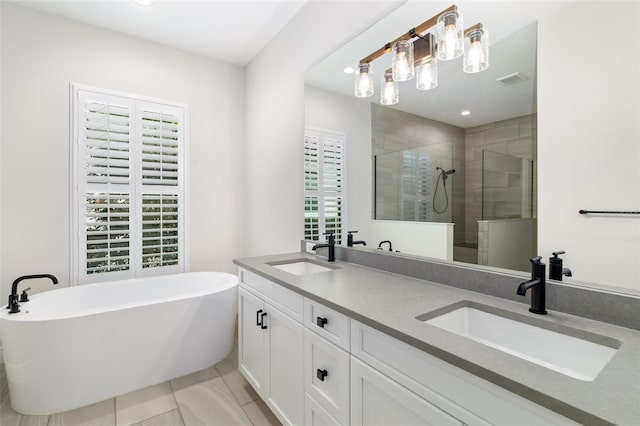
column 216, row 396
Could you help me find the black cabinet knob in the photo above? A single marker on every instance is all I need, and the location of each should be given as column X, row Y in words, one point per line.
column 321, row 322
column 321, row 374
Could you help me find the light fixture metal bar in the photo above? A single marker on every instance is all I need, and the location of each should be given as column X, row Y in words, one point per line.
column 408, row 35
column 473, row 27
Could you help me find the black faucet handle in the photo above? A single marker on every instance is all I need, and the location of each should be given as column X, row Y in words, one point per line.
column 535, row 260
column 557, row 253
column 24, row 297
column 352, row 232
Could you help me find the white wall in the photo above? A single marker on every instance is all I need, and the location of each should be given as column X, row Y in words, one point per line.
column 589, row 139
column 275, row 117
column 41, row 55
column 351, row 116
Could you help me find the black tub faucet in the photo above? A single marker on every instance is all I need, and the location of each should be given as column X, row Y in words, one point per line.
column 13, row 304
column 556, row 271
column 385, row 242
column 331, row 244
column 350, row 242
column 537, row 286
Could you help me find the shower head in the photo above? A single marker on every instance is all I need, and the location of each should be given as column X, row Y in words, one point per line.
column 446, row 172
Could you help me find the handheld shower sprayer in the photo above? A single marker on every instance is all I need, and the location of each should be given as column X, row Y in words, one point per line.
column 444, row 174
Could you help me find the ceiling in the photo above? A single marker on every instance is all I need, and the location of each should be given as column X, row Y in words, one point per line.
column 229, row 31
column 512, row 36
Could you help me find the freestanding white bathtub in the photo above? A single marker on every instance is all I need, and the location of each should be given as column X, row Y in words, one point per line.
column 75, row 346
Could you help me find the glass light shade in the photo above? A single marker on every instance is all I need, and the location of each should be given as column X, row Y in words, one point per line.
column 402, row 66
column 476, row 50
column 450, row 35
column 388, row 90
column 427, row 75
column 363, row 82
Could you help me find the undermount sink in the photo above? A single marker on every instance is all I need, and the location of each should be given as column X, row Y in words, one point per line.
column 572, row 356
column 301, row 267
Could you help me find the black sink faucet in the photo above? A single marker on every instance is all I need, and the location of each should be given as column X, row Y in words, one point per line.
column 537, row 286
column 350, row 242
column 556, row 271
column 385, row 242
column 13, row 304
column 331, row 245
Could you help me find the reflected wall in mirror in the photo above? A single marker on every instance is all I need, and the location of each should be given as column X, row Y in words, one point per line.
column 427, row 159
column 585, row 130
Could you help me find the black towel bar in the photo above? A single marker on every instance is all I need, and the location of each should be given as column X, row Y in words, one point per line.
column 607, row 212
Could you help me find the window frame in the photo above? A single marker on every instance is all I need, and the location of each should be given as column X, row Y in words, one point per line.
column 77, row 184
column 320, row 193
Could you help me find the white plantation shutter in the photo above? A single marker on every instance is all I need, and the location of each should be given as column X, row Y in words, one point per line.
column 129, row 187
column 324, row 184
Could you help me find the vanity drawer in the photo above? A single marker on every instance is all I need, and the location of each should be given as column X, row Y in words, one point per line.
column 326, row 375
column 283, row 299
column 446, row 386
column 315, row 415
column 328, row 323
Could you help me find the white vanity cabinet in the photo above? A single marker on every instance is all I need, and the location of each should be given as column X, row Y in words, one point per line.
column 315, row 366
column 270, row 345
column 326, row 364
column 390, row 376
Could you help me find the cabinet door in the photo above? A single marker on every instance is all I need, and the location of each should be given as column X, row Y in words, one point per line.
column 378, row 400
column 251, row 340
column 285, row 391
column 315, row 415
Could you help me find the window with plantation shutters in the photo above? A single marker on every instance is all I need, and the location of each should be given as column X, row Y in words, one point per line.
column 324, row 206
column 128, row 198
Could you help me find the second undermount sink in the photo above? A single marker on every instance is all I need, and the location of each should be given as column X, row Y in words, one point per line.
column 300, row 267
column 572, row 356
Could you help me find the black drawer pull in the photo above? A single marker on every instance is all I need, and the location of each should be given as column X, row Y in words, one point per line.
column 262, row 324
column 321, row 374
column 321, row 322
column 258, row 317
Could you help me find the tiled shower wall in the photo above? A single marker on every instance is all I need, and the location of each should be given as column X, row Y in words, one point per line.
column 516, row 137
column 396, row 131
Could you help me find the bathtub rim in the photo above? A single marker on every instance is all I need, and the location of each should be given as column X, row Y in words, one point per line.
column 229, row 282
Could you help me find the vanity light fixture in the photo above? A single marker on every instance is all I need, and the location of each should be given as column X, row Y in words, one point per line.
column 476, row 49
column 450, row 43
column 416, row 52
column 389, row 90
column 364, row 81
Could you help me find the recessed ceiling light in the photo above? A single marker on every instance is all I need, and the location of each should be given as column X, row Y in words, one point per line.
column 143, row 2
column 349, row 70
column 465, row 112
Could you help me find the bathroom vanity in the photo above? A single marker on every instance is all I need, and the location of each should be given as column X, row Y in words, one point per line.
column 337, row 343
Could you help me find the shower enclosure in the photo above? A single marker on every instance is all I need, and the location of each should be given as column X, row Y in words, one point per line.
column 414, row 184
column 507, row 233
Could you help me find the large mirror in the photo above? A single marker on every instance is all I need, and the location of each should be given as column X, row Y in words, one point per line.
column 419, row 174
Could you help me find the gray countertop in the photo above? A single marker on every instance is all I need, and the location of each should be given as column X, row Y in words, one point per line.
column 391, row 302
